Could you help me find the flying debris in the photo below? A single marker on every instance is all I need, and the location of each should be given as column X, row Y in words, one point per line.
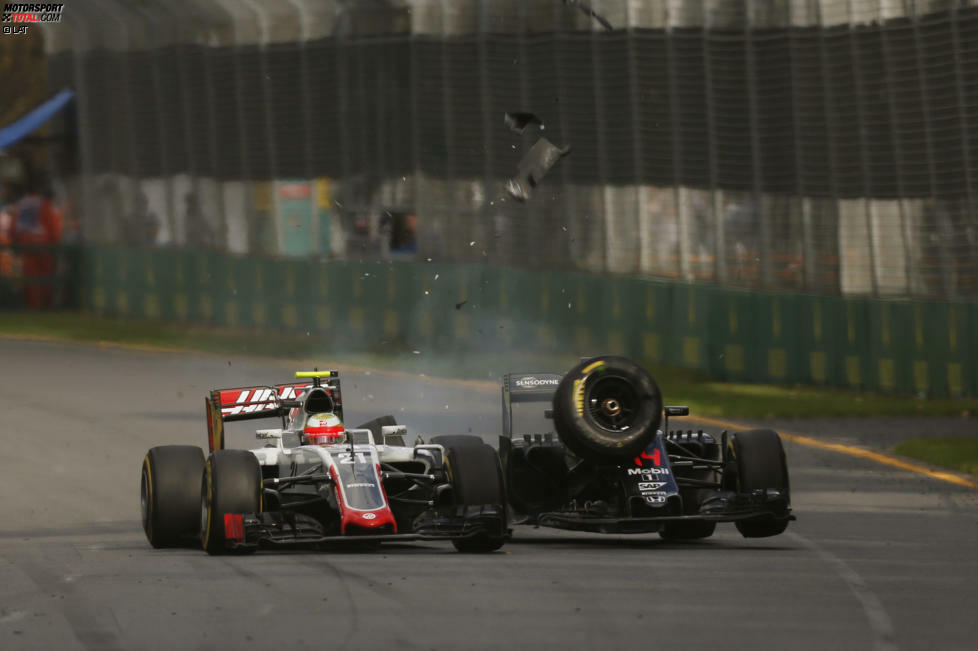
column 533, row 167
column 590, row 12
column 458, row 306
column 518, row 122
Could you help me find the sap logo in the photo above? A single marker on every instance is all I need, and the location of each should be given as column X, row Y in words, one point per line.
column 650, row 485
column 530, row 382
column 648, row 471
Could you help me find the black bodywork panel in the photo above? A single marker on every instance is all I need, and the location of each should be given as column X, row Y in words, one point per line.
column 681, row 476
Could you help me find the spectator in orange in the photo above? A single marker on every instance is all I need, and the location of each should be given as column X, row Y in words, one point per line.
column 37, row 222
column 7, row 259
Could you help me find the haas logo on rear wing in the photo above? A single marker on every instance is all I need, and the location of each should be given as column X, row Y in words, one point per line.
column 256, row 399
column 245, row 403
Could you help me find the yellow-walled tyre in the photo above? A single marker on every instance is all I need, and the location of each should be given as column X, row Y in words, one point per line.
column 761, row 464
column 607, row 409
column 477, row 479
column 169, row 499
column 231, row 484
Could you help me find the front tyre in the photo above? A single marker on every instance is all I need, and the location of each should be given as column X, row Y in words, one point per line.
column 687, row 530
column 760, row 462
column 476, row 477
column 231, row 484
column 168, row 497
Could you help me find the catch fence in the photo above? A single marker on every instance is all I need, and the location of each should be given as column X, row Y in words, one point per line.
column 824, row 146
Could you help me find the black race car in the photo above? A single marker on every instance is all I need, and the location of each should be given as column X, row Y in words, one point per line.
column 585, row 451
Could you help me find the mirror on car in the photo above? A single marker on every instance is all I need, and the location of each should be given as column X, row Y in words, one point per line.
column 677, row 411
column 393, row 434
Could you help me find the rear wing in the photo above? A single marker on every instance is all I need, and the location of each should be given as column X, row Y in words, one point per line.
column 262, row 401
column 526, row 387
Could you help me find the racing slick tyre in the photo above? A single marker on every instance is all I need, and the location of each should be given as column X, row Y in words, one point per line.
column 377, row 425
column 607, row 409
column 760, row 464
column 687, row 530
column 476, row 477
column 231, row 484
column 168, row 495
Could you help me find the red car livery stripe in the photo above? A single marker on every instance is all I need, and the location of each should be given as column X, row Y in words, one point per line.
column 364, row 520
column 324, row 434
column 325, row 430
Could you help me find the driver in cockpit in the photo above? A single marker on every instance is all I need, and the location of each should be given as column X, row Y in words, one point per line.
column 322, row 426
column 323, row 429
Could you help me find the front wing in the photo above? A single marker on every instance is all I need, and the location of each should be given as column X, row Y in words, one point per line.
column 283, row 529
column 725, row 506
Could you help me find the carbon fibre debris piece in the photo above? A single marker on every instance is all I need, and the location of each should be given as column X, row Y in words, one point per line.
column 534, row 165
column 518, row 121
column 590, row 12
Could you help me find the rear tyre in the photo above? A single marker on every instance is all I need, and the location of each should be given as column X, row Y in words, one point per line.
column 476, row 477
column 231, row 484
column 760, row 462
column 607, row 409
column 376, row 427
column 168, row 496
column 691, row 530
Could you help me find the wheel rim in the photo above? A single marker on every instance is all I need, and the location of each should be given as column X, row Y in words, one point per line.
column 612, row 403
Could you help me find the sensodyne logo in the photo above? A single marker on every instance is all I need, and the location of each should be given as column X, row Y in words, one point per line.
column 530, row 381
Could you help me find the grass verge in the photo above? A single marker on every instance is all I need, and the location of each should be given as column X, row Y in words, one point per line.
column 956, row 453
column 680, row 386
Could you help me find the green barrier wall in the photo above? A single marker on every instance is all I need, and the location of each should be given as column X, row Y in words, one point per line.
column 909, row 347
column 40, row 276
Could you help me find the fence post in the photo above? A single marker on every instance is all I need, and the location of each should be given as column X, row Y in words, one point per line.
column 827, row 114
column 895, row 144
column 155, row 63
column 863, row 163
column 972, row 205
column 675, row 20
column 808, row 248
column 947, row 289
column 716, row 195
column 755, row 139
column 639, row 182
column 566, row 180
column 80, row 41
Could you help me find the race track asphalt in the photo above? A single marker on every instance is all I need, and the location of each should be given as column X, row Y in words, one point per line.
column 878, row 559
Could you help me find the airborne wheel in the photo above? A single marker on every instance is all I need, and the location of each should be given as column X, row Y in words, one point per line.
column 607, row 409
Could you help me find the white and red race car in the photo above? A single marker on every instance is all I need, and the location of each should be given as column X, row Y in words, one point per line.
column 316, row 482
